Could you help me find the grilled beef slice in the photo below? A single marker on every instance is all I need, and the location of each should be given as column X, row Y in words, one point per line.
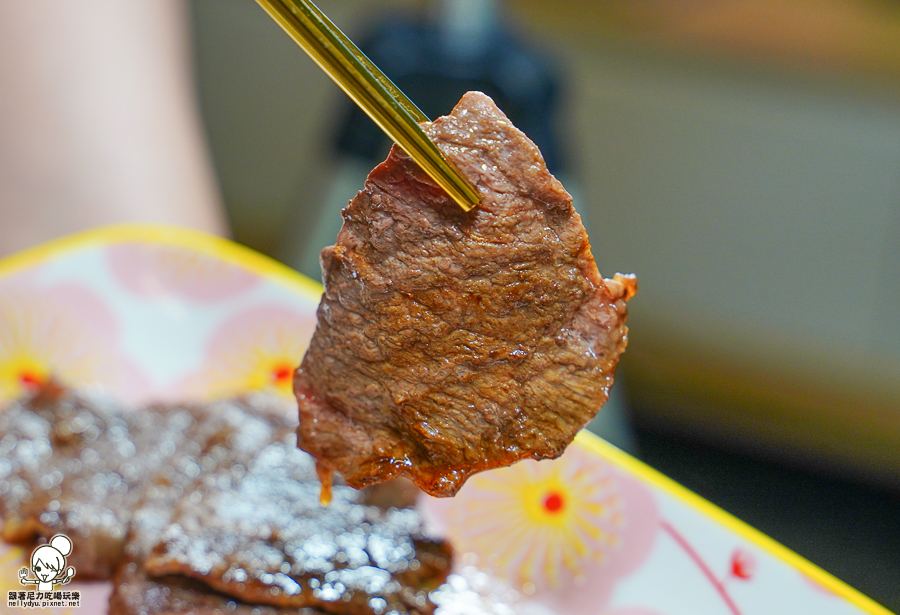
column 206, row 509
column 81, row 464
column 450, row 342
column 258, row 535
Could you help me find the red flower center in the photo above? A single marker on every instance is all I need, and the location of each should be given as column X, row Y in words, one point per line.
column 30, row 380
column 282, row 373
column 742, row 565
column 553, row 502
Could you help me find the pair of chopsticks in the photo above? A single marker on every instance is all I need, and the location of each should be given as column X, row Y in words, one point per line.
column 370, row 89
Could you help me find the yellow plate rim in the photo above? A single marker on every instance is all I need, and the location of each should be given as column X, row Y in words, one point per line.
column 236, row 254
column 647, row 474
column 218, row 247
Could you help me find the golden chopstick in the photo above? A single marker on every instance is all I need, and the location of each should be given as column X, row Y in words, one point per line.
column 370, row 89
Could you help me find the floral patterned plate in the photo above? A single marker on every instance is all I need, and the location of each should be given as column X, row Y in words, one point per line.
column 153, row 313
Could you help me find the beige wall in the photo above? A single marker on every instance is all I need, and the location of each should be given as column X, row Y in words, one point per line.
column 763, row 220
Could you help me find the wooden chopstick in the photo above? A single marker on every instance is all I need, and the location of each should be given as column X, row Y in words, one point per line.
column 370, row 89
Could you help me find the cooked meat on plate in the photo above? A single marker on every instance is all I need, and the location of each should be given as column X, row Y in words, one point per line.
column 82, row 465
column 205, row 509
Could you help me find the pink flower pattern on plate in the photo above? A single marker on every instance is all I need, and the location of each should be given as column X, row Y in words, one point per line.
column 256, row 350
column 65, row 332
column 151, row 270
column 563, row 531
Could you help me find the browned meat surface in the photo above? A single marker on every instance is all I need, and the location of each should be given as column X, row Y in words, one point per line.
column 65, row 466
column 260, row 536
column 206, row 509
column 135, row 593
column 452, row 342
column 80, row 465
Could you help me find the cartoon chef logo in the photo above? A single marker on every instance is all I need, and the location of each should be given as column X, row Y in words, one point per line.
column 48, row 564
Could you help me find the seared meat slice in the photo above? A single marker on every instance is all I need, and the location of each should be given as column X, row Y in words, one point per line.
column 259, row 535
column 81, row 465
column 66, row 466
column 206, row 509
column 452, row 342
column 135, row 593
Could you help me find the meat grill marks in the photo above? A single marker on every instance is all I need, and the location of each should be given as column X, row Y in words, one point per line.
column 452, row 342
column 219, row 492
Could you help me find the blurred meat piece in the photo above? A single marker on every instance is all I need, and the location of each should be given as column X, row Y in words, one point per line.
column 206, row 509
column 81, row 464
column 136, row 593
column 398, row 492
column 259, row 536
column 452, row 342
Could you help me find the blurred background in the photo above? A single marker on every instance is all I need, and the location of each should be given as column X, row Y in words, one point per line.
column 742, row 157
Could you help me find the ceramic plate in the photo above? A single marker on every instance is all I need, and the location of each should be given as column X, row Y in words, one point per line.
column 151, row 313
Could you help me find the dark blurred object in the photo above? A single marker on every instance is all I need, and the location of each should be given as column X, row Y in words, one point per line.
column 435, row 62
column 398, row 492
column 464, row 46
